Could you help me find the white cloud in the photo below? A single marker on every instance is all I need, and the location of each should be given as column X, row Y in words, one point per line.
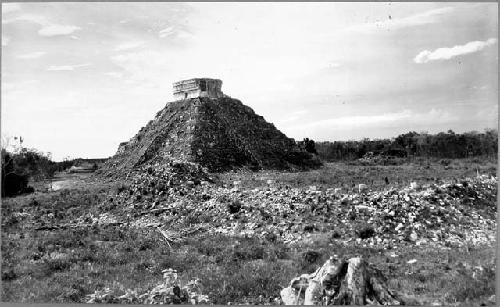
column 428, row 17
column 142, row 65
column 114, row 74
column 10, row 7
column 129, row 45
column 48, row 28
column 478, row 88
column 334, row 65
column 55, row 29
column 5, row 40
column 402, row 118
column 32, row 55
column 185, row 35
column 66, row 67
column 166, row 32
column 448, row 53
column 27, row 17
column 11, row 86
column 292, row 117
column 488, row 114
column 7, row 86
column 365, row 120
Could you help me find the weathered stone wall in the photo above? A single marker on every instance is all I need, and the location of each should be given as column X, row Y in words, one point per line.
column 122, row 147
column 230, row 134
column 199, row 87
column 165, row 137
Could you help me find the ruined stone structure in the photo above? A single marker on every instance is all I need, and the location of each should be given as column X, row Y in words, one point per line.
column 198, row 87
column 220, row 134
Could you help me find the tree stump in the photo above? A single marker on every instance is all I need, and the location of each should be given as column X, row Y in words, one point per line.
column 340, row 282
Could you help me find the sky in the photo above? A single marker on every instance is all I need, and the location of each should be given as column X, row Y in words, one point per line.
column 79, row 78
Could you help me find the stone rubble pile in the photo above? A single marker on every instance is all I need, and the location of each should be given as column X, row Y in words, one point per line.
column 445, row 215
column 160, row 179
column 169, row 291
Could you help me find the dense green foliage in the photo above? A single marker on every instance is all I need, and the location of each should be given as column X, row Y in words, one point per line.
column 26, row 164
column 309, row 145
column 449, row 145
column 18, row 168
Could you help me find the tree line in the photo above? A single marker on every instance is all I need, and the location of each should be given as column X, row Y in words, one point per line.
column 25, row 164
column 21, row 166
column 444, row 145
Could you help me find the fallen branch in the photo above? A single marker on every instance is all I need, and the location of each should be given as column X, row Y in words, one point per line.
column 169, row 236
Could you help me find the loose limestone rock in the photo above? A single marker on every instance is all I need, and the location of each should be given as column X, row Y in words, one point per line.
column 340, row 282
column 362, row 188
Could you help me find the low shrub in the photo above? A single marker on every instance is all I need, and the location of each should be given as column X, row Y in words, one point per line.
column 234, row 206
column 311, row 256
column 365, row 232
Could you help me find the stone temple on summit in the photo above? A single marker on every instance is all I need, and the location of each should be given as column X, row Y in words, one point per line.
column 207, row 127
column 198, row 87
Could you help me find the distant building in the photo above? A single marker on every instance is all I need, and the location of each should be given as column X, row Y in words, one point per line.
column 198, row 87
column 82, row 169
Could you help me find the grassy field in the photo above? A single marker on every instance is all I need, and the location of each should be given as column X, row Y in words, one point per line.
column 346, row 176
column 65, row 265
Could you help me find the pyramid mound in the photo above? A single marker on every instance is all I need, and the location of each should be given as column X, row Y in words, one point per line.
column 220, row 134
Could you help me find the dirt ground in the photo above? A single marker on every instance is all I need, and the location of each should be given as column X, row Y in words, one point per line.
column 64, row 180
